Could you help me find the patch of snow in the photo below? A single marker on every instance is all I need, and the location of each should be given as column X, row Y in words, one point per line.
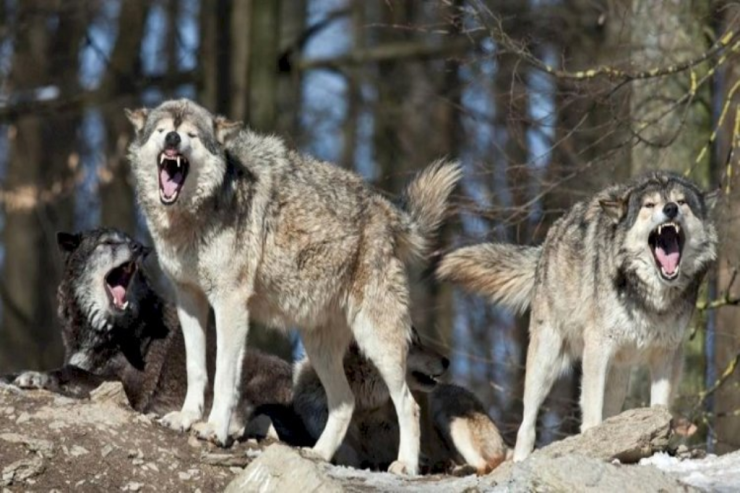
column 713, row 473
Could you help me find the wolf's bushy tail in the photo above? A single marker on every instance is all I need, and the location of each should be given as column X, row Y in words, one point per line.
column 426, row 200
column 505, row 273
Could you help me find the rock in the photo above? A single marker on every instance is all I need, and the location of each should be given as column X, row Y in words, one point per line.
column 575, row 474
column 111, row 392
column 21, row 470
column 283, row 468
column 102, row 445
column 628, row 437
column 83, row 445
column 43, row 447
column 578, row 463
column 78, row 451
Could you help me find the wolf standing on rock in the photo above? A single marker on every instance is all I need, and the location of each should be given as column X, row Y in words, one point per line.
column 615, row 283
column 253, row 229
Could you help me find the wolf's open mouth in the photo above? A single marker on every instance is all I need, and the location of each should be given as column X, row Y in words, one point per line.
column 117, row 282
column 424, row 380
column 666, row 242
column 173, row 169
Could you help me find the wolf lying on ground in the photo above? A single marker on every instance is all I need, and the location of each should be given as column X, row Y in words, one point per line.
column 115, row 327
column 615, row 283
column 455, row 428
column 253, row 229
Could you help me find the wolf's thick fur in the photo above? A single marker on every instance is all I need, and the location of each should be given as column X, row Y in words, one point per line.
column 615, row 284
column 504, row 273
column 455, row 428
column 257, row 230
column 142, row 345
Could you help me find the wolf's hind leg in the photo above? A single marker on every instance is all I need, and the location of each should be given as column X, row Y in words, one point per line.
column 325, row 350
column 546, row 360
column 192, row 310
column 382, row 333
column 617, row 384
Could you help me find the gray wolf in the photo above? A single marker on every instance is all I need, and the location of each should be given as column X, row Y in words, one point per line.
column 615, row 284
column 116, row 327
column 455, row 428
column 254, row 229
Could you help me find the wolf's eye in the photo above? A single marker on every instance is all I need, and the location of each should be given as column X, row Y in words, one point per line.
column 681, row 202
column 648, row 205
column 160, row 130
column 192, row 135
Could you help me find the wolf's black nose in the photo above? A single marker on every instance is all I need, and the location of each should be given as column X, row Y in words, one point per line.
column 670, row 210
column 172, row 139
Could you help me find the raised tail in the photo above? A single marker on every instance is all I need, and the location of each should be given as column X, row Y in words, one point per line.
column 426, row 200
column 505, row 273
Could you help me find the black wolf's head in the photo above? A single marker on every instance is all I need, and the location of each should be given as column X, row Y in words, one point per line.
column 177, row 155
column 103, row 281
column 425, row 365
column 667, row 234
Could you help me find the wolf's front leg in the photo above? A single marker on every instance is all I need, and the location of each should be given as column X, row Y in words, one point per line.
column 596, row 358
column 192, row 310
column 232, row 328
column 665, row 372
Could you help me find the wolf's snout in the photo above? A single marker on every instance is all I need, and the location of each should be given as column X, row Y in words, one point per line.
column 670, row 210
column 172, row 139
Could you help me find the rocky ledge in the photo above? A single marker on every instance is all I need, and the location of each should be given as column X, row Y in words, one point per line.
column 51, row 443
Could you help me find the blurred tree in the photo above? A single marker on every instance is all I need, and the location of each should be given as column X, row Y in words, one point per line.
column 422, row 96
column 726, row 405
column 121, row 87
column 42, row 172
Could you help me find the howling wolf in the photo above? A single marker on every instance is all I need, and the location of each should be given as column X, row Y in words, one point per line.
column 615, row 283
column 254, row 229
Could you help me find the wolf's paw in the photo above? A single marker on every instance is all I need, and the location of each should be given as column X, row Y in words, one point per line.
column 310, row 453
column 401, row 469
column 179, row 420
column 208, row 432
column 465, row 470
column 31, row 380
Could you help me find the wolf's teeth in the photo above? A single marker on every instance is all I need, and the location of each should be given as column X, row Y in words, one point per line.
column 178, row 162
column 125, row 305
column 660, row 229
column 161, row 158
column 678, row 228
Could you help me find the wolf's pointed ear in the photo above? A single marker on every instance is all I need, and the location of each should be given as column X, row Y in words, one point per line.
column 615, row 209
column 225, row 129
column 68, row 242
column 712, row 198
column 137, row 117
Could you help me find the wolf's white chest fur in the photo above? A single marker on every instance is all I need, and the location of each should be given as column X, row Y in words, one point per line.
column 633, row 334
column 637, row 334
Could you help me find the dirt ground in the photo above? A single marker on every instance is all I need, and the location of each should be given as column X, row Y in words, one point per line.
column 52, row 443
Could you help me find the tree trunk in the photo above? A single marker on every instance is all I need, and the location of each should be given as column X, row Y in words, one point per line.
column 726, row 405
column 120, row 84
column 41, row 179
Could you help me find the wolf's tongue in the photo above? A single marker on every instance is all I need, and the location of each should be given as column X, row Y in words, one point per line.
column 668, row 254
column 170, row 183
column 119, row 293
